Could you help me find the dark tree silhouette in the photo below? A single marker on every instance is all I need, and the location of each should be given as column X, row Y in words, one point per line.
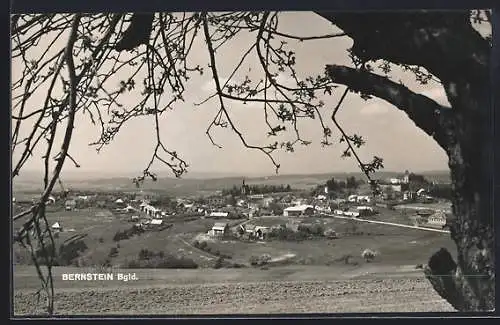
column 440, row 47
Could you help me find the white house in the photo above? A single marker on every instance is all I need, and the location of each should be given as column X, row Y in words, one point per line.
column 352, row 198
column 298, row 210
column 219, row 229
column 354, row 214
column 395, row 181
column 219, row 214
column 156, row 222
column 421, row 192
column 119, row 201
column 152, row 211
column 363, row 198
column 56, row 226
column 70, row 205
column 129, row 208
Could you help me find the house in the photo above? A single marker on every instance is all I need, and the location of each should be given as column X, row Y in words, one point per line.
column 134, row 218
column 156, row 222
column 299, row 210
column 421, row 192
column 408, row 195
column 363, row 199
column 352, row 198
column 391, row 187
column 50, row 200
column 365, row 210
column 321, row 208
column 220, row 229
column 351, row 213
column 267, row 201
column 70, row 205
column 119, row 201
column 143, row 205
column 129, row 208
column 217, row 201
column 338, row 212
column 253, row 231
column 394, row 181
column 56, row 226
column 152, row 211
column 261, row 232
column 437, row 219
column 219, row 214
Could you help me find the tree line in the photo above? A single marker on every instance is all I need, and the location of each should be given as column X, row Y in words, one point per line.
column 257, row 189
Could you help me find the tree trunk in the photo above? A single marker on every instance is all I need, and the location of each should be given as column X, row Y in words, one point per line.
column 470, row 285
column 447, row 46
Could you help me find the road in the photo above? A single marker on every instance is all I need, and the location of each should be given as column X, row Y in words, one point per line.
column 388, row 223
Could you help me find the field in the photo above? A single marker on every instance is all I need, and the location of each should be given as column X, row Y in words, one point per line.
column 290, row 289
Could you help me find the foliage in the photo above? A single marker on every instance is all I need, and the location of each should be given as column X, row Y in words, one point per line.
column 127, row 233
column 368, row 255
column 260, row 260
column 258, row 189
column 287, row 234
column 150, row 259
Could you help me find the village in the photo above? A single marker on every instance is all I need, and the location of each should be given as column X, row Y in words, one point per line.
column 253, row 213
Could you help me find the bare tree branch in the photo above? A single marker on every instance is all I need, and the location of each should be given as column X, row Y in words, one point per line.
column 426, row 113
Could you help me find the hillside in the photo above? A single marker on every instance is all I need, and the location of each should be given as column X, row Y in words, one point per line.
column 191, row 185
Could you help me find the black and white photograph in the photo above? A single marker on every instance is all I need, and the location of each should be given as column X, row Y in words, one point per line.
column 251, row 162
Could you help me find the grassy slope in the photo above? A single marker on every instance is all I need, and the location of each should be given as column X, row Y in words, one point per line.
column 396, row 245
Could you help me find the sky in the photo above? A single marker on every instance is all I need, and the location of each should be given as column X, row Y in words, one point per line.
column 389, row 133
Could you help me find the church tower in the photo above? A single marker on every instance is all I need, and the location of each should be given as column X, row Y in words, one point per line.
column 243, row 188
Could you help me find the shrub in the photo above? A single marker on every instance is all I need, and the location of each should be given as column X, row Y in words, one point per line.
column 218, row 263
column 127, row 233
column 150, row 259
column 260, row 260
column 287, row 234
column 315, row 230
column 70, row 251
column 101, row 240
column 368, row 255
column 113, row 252
column 203, row 245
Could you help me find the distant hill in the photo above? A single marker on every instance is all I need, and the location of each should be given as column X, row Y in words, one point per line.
column 202, row 183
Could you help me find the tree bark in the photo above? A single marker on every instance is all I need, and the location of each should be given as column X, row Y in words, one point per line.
column 447, row 46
